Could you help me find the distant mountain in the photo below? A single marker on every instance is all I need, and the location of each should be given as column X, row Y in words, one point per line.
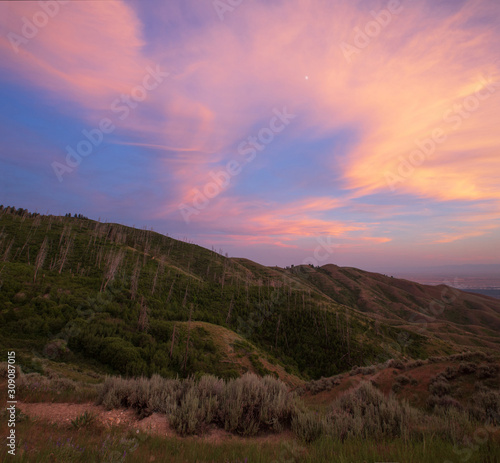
column 471, row 270
column 136, row 302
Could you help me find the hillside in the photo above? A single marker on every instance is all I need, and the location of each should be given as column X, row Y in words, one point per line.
column 135, row 302
column 456, row 317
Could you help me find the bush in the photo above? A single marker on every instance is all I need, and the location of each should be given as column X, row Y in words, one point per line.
column 415, row 364
column 396, row 387
column 487, row 371
column 366, row 412
column 400, row 381
column 393, row 363
column 83, row 421
column 251, row 405
column 320, row 385
column 363, row 370
column 403, row 380
column 486, row 407
column 452, row 424
column 307, row 426
column 439, row 387
column 445, row 402
column 245, row 405
column 193, row 411
column 144, row 395
column 466, row 368
column 470, row 357
column 450, row 373
column 35, row 382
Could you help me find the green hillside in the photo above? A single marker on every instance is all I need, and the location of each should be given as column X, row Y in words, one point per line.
column 136, row 302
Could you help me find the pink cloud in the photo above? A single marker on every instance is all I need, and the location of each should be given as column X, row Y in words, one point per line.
column 87, row 53
column 224, row 83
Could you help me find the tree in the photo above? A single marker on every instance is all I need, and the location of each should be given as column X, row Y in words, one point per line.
column 40, row 258
column 143, row 324
column 172, row 343
column 113, row 264
column 134, row 281
column 188, row 337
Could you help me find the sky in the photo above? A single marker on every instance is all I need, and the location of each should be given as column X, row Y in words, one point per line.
column 361, row 133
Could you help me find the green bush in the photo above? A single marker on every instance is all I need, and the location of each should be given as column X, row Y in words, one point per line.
column 251, row 405
column 246, row 405
column 144, row 395
column 367, row 412
column 194, row 406
column 307, row 426
column 83, row 421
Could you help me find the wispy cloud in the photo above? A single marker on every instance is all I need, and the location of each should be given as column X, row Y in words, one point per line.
column 381, row 143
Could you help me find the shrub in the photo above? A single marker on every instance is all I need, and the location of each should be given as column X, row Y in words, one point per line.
column 83, row 421
column 364, row 370
column 450, row 373
column 445, row 402
column 415, row 364
column 251, row 405
column 439, row 387
column 487, row 371
column 470, row 357
column 366, row 412
column 35, row 382
column 403, row 380
column 322, row 384
column 396, row 387
column 193, row 413
column 307, row 426
column 486, row 407
column 245, row 405
column 466, row 368
column 393, row 363
column 144, row 395
column 452, row 424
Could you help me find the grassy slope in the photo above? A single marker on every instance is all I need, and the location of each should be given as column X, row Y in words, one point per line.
column 301, row 323
column 456, row 317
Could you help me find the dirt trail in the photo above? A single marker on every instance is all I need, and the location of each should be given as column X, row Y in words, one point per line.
column 63, row 413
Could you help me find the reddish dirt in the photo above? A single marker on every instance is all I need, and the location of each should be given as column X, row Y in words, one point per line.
column 63, row 413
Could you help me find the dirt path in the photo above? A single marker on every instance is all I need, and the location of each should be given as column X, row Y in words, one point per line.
column 63, row 413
